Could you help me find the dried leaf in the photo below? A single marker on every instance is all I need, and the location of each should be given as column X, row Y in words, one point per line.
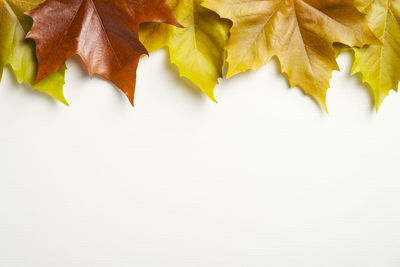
column 104, row 33
column 299, row 32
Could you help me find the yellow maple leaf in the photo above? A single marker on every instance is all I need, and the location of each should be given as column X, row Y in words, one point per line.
column 300, row 33
column 197, row 49
column 380, row 65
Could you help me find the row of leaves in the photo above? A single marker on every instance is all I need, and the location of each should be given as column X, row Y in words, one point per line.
column 111, row 35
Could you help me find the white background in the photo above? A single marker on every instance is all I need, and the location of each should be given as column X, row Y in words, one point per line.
column 263, row 178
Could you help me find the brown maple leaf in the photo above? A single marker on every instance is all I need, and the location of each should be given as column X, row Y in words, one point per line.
column 104, row 33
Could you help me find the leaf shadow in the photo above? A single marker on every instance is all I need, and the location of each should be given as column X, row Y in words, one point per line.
column 289, row 87
column 365, row 87
column 276, row 66
column 358, row 77
column 342, row 49
column 77, row 62
column 27, row 88
column 188, row 85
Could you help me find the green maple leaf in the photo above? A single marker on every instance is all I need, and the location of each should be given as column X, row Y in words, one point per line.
column 19, row 53
column 198, row 48
column 379, row 65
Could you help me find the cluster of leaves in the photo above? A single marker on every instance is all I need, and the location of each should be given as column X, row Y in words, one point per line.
column 202, row 35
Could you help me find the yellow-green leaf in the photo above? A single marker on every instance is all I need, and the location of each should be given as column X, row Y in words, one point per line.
column 300, row 33
column 380, row 65
column 197, row 49
column 19, row 53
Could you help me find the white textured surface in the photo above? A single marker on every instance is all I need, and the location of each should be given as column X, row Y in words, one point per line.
column 263, row 178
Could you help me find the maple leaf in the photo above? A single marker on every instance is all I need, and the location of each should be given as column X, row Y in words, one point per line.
column 300, row 33
column 19, row 53
column 104, row 33
column 379, row 65
column 198, row 49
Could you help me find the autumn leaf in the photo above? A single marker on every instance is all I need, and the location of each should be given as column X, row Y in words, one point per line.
column 19, row 53
column 198, row 49
column 104, row 33
column 300, row 33
column 380, row 65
